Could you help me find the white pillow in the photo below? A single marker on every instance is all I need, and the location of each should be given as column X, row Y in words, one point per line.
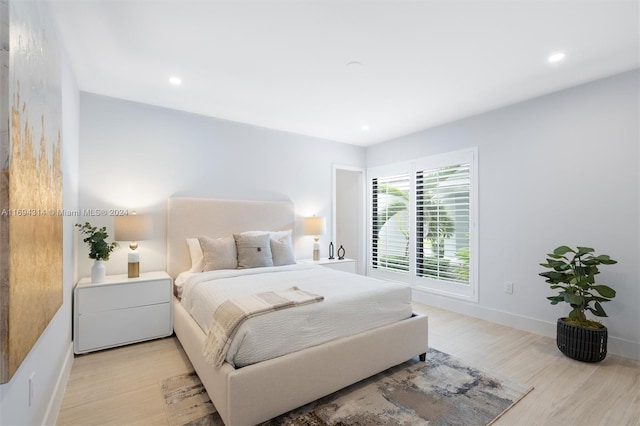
column 278, row 235
column 197, row 257
column 282, row 250
column 219, row 253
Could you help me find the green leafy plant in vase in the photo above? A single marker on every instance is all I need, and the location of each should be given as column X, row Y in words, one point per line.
column 572, row 273
column 99, row 249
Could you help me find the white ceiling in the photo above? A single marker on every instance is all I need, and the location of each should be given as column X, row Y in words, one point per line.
column 283, row 64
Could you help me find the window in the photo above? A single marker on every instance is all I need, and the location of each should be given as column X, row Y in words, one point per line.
column 423, row 223
column 390, row 225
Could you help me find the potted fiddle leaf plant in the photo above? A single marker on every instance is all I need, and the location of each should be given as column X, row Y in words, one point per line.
column 99, row 249
column 572, row 273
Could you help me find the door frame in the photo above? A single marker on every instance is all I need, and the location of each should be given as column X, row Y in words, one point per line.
column 362, row 258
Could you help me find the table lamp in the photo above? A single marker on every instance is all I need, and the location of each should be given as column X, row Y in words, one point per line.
column 133, row 228
column 315, row 226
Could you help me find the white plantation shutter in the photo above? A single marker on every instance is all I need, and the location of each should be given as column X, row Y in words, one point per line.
column 390, row 223
column 443, row 223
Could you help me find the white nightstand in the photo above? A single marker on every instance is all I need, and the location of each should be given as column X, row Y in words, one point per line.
column 347, row 265
column 121, row 310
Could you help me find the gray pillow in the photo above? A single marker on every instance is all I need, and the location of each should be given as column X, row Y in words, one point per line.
column 219, row 253
column 282, row 251
column 253, row 250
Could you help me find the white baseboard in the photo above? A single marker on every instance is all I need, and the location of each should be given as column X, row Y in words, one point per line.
column 51, row 416
column 616, row 345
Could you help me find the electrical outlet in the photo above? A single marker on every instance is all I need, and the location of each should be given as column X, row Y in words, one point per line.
column 31, row 387
column 508, row 287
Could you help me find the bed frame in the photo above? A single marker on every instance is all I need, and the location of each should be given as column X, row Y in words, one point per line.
column 258, row 392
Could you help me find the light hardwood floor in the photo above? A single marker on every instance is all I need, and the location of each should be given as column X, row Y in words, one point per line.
column 121, row 386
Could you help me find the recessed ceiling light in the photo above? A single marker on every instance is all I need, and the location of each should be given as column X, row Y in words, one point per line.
column 364, row 128
column 176, row 81
column 556, row 57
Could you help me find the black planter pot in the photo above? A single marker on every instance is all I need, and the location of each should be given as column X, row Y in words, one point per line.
column 582, row 344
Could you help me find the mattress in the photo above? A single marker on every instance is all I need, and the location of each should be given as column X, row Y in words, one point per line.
column 352, row 304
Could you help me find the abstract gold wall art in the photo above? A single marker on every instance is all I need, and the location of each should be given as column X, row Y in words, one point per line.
column 31, row 183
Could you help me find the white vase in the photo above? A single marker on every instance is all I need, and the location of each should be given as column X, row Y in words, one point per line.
column 98, row 271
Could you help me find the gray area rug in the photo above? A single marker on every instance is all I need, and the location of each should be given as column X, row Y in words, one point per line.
column 442, row 391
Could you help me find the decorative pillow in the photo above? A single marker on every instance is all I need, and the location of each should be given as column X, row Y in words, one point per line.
column 253, row 250
column 197, row 257
column 219, row 253
column 282, row 250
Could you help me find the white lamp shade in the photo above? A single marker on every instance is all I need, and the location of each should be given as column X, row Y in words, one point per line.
column 314, row 225
column 133, row 228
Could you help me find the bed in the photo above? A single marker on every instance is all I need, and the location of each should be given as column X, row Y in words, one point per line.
column 263, row 389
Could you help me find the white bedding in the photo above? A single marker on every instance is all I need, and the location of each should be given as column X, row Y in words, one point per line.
column 353, row 303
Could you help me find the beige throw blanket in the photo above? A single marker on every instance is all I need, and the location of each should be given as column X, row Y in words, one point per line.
column 230, row 315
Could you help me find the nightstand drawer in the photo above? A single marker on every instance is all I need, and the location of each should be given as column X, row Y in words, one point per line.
column 346, row 265
column 92, row 299
column 119, row 327
column 342, row 266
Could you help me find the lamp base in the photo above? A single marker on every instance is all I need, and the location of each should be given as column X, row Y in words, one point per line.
column 133, row 269
column 316, row 250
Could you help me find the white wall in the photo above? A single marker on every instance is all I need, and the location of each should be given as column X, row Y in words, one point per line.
column 136, row 156
column 51, row 357
column 558, row 169
column 350, row 214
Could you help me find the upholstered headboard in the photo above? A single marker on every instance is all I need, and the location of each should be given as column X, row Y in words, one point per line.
column 195, row 217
